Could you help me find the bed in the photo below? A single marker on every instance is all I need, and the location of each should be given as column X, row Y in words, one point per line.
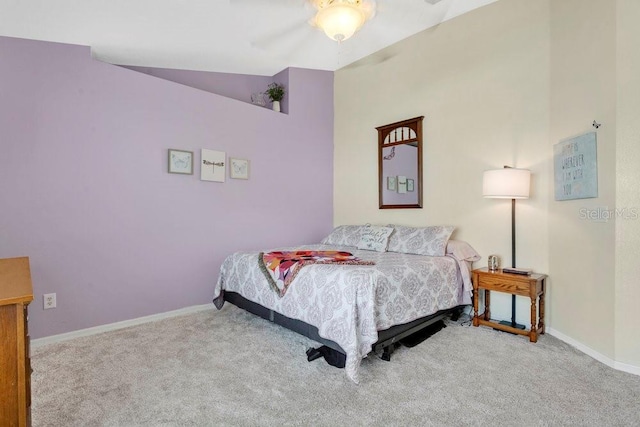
column 355, row 309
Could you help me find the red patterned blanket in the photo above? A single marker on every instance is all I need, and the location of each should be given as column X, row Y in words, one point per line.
column 280, row 268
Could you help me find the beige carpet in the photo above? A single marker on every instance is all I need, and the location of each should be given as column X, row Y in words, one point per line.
column 231, row 368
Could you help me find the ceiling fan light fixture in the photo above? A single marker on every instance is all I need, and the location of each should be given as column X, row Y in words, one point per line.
column 340, row 20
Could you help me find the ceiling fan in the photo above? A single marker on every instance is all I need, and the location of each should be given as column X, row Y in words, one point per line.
column 339, row 19
column 299, row 24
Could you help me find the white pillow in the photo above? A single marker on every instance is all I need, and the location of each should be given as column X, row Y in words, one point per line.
column 344, row 235
column 430, row 241
column 374, row 238
column 462, row 251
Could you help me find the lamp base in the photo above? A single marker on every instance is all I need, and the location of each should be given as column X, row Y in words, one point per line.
column 512, row 324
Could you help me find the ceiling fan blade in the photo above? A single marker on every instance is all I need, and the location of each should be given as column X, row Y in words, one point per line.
column 375, row 33
column 429, row 12
column 369, row 7
column 269, row 3
column 442, row 9
column 300, row 42
column 280, row 38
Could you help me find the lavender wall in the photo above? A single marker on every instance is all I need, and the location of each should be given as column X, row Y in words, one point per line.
column 86, row 195
column 236, row 86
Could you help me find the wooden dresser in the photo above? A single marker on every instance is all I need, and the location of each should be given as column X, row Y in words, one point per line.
column 15, row 367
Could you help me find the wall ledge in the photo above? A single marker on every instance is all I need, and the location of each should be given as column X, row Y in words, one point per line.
column 619, row 366
column 52, row 339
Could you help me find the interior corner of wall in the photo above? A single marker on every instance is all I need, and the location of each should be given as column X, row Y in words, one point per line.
column 282, row 77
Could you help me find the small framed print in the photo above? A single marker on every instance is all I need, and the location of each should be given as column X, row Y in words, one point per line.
column 391, row 183
column 238, row 168
column 402, row 184
column 181, row 161
column 410, row 185
column 213, row 165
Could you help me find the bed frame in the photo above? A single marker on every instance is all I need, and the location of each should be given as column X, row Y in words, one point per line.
column 388, row 339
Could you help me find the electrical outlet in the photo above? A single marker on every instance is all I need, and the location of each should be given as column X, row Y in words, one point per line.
column 49, row 301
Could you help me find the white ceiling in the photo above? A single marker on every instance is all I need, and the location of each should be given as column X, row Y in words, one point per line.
column 236, row 36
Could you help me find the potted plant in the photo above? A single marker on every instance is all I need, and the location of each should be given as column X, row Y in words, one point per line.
column 275, row 92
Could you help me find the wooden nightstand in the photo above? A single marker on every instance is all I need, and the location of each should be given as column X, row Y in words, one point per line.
column 532, row 286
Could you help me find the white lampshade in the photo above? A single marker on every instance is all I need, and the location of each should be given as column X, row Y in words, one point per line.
column 339, row 21
column 507, row 183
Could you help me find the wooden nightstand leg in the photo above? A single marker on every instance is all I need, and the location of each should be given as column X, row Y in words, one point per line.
column 487, row 304
column 533, row 336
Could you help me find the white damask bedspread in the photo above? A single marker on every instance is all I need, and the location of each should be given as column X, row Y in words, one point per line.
column 350, row 303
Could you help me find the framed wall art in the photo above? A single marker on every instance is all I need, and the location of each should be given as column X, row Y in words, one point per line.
column 238, row 168
column 213, row 166
column 391, row 183
column 575, row 168
column 180, row 161
column 402, row 184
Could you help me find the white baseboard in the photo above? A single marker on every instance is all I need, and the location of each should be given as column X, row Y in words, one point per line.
column 627, row 368
column 118, row 325
column 591, row 352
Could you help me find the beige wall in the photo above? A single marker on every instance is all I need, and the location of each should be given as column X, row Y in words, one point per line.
column 581, row 252
column 502, row 85
column 482, row 83
column 627, row 347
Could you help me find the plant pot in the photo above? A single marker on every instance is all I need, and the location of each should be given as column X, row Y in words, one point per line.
column 276, row 106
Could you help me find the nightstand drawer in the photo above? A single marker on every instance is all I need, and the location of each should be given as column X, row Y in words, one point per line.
column 504, row 285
